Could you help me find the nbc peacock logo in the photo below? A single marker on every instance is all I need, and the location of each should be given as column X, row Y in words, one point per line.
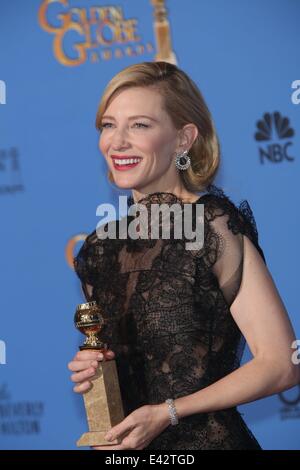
column 275, row 129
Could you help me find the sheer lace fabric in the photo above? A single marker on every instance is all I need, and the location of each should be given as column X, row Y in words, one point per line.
column 167, row 313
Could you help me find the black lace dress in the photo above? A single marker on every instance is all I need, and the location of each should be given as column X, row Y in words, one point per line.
column 168, row 316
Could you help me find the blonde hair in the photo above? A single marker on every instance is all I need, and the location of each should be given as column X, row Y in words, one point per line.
column 184, row 103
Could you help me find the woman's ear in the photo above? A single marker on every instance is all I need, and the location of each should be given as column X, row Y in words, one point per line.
column 187, row 136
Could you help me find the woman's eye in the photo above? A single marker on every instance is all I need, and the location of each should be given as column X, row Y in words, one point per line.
column 105, row 124
column 141, row 124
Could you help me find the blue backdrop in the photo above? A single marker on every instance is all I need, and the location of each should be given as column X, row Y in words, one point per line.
column 55, row 60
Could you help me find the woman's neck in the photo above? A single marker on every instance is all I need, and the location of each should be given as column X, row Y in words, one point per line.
column 181, row 193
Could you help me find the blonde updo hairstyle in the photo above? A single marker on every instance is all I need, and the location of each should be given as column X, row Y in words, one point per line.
column 184, row 103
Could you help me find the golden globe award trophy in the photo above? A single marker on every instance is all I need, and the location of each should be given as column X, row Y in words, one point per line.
column 103, row 403
column 162, row 33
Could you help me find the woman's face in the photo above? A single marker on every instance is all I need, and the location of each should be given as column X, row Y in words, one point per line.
column 136, row 127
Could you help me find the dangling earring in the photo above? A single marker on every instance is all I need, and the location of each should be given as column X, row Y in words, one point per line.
column 182, row 160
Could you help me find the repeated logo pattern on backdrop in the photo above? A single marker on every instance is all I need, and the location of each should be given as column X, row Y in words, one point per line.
column 57, row 58
column 274, row 130
column 102, row 33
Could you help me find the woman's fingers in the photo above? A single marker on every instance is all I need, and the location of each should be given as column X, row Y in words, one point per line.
column 84, row 366
column 77, row 366
column 82, row 387
column 89, row 358
column 83, row 375
column 109, row 354
column 89, row 355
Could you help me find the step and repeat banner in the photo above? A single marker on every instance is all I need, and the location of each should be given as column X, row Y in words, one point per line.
column 56, row 57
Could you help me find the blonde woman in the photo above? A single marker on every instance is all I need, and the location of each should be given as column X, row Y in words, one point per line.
column 178, row 319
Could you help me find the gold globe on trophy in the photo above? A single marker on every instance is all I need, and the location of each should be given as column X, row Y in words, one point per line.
column 103, row 402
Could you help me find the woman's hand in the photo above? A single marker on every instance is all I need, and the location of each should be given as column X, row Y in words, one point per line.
column 139, row 428
column 84, row 366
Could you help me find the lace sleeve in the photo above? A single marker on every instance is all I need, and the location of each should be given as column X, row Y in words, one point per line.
column 86, row 264
column 227, row 225
column 96, row 259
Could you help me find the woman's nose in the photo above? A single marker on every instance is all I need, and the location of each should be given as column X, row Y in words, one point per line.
column 119, row 139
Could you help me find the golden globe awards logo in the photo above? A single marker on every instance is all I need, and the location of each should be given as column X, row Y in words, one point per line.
column 10, row 171
column 19, row 418
column 290, row 401
column 96, row 33
column 11, row 180
column 70, row 248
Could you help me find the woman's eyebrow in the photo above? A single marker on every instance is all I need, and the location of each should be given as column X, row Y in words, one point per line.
column 132, row 117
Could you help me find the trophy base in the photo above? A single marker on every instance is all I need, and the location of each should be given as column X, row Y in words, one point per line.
column 95, row 438
column 103, row 404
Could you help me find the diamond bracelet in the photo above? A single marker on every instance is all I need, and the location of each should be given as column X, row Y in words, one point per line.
column 172, row 411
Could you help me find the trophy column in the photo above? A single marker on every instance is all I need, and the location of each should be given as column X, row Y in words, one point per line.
column 162, row 33
column 103, row 402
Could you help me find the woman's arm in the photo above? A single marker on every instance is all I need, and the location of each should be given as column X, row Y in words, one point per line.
column 262, row 318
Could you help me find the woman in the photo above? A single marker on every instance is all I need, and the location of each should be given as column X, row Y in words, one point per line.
column 178, row 319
